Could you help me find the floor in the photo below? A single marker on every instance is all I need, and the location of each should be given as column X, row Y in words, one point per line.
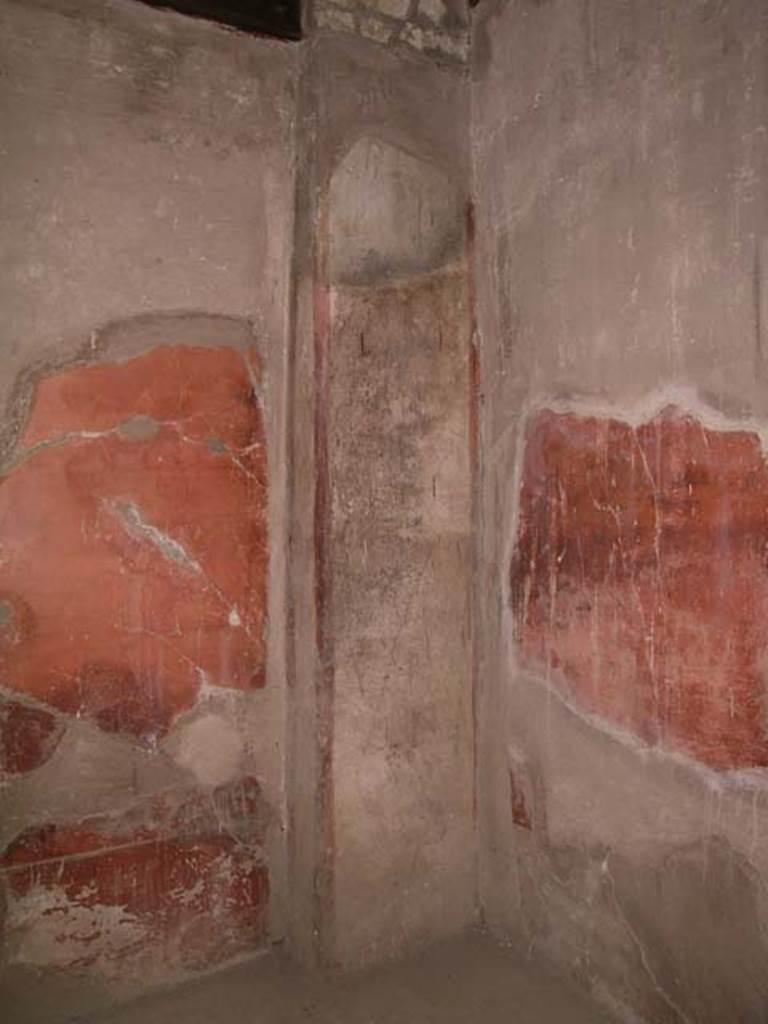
column 467, row 980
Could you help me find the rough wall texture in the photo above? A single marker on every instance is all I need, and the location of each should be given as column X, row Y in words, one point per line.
column 187, row 424
column 179, row 884
column 386, row 290
column 166, row 448
column 437, row 28
column 638, row 577
column 400, row 537
column 620, row 157
column 147, row 218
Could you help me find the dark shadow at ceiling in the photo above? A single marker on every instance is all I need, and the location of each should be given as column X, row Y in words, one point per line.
column 279, row 18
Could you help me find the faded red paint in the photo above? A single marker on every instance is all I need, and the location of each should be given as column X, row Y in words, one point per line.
column 234, row 808
column 195, row 898
column 518, row 804
column 28, row 737
column 323, row 884
column 197, row 901
column 473, row 424
column 639, row 577
column 134, row 538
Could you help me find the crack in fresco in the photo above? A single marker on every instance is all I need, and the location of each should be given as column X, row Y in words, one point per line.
column 131, row 518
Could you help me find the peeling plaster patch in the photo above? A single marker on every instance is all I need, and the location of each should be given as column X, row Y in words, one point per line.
column 434, row 10
column 333, row 18
column 136, row 525
column 139, row 910
column 47, row 929
column 434, row 40
column 392, row 8
column 209, row 747
column 217, row 446
column 139, row 428
column 373, row 28
column 89, row 770
column 177, row 882
column 443, row 31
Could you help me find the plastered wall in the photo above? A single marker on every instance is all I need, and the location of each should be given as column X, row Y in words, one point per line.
column 147, row 216
column 438, row 28
column 619, row 173
column 383, row 345
column 295, row 482
column 235, row 497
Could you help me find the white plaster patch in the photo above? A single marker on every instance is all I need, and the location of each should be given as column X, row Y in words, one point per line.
column 45, row 928
column 210, row 747
column 433, row 9
column 331, row 17
column 432, row 39
column 392, row 8
column 373, row 28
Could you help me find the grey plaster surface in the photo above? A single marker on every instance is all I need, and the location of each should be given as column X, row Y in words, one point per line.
column 619, row 173
column 466, row 980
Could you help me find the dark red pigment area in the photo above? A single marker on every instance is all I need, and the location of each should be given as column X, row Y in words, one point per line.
column 234, row 809
column 199, row 896
column 28, row 737
column 134, row 538
column 518, row 804
column 638, row 578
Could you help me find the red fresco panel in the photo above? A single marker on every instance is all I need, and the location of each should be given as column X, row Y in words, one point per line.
column 133, row 532
column 120, row 897
column 638, row 578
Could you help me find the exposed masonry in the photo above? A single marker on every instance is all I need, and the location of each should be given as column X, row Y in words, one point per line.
column 438, row 28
